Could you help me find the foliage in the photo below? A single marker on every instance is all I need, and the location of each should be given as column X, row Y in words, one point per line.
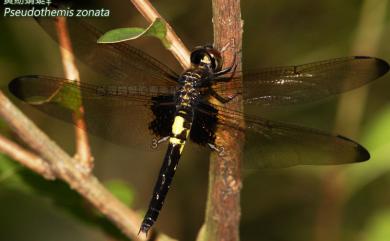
column 157, row 29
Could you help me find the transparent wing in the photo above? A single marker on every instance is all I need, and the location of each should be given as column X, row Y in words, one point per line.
column 304, row 83
column 118, row 62
column 270, row 144
column 109, row 109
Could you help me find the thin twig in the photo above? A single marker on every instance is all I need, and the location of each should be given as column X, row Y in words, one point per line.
column 67, row 169
column 83, row 150
column 177, row 48
column 223, row 203
column 26, row 158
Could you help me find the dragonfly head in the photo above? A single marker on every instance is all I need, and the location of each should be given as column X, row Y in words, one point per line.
column 207, row 56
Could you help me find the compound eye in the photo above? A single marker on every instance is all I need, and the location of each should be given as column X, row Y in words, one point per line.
column 216, row 58
column 215, row 64
column 208, row 56
column 198, row 56
column 216, row 61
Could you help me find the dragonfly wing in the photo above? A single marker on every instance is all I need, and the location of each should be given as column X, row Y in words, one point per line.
column 108, row 111
column 270, row 144
column 118, row 61
column 308, row 82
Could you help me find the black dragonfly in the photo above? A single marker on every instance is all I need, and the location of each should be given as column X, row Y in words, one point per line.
column 139, row 93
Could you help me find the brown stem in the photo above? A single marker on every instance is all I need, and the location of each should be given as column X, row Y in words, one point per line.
column 67, row 169
column 27, row 159
column 177, row 48
column 83, row 150
column 223, row 204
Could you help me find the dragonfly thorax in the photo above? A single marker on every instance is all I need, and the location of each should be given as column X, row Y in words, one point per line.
column 187, row 95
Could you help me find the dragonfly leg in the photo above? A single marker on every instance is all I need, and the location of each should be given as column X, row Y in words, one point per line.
column 219, row 149
column 156, row 142
column 233, row 67
column 220, row 98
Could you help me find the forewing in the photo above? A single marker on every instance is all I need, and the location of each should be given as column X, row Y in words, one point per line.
column 305, row 83
column 120, row 114
column 118, row 62
column 270, row 144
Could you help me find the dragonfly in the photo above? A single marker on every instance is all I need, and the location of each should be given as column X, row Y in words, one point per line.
column 140, row 93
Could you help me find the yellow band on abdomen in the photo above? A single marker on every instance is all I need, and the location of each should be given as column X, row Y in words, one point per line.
column 177, row 130
column 176, row 141
column 178, row 125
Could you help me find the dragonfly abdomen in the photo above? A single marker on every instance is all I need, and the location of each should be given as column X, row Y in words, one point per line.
column 162, row 186
column 186, row 97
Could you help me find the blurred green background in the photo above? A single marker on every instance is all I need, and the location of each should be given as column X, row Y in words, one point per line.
column 349, row 202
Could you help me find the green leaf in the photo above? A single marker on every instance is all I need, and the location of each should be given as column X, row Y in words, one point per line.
column 121, row 190
column 69, row 97
column 40, row 91
column 157, row 29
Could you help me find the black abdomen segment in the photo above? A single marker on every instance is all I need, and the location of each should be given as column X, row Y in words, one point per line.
column 162, row 186
column 180, row 130
column 202, row 127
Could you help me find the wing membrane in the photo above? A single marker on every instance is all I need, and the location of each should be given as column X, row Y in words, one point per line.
column 134, row 85
column 270, row 144
column 308, row 82
column 109, row 109
column 118, row 62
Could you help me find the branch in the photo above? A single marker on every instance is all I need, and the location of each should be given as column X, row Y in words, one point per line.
column 177, row 48
column 223, row 203
column 64, row 167
column 83, row 150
